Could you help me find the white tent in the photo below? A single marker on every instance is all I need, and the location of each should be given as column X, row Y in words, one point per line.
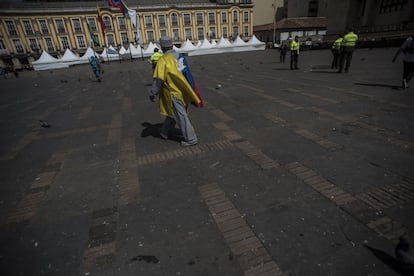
column 198, row 44
column 224, row 43
column 47, row 62
column 135, row 51
column 187, row 47
column 256, row 44
column 150, row 49
column 69, row 57
column 205, row 44
column 109, row 54
column 89, row 52
column 123, row 51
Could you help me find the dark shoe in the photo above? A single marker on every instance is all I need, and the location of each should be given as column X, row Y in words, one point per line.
column 340, row 71
column 187, row 144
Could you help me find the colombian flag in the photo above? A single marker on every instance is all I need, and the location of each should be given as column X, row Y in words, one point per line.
column 189, row 76
column 120, row 5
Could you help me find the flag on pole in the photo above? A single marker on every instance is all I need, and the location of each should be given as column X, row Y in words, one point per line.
column 101, row 22
column 129, row 13
column 120, row 5
column 93, row 38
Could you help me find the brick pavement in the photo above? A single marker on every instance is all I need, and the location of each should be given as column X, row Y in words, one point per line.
column 295, row 171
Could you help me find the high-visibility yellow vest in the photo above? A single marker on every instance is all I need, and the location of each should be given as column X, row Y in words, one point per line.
column 337, row 44
column 155, row 57
column 294, row 46
column 349, row 39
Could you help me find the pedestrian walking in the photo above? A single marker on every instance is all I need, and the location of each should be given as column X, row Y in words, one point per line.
column 154, row 58
column 294, row 53
column 96, row 67
column 347, row 50
column 175, row 94
column 283, row 51
column 336, row 52
column 408, row 61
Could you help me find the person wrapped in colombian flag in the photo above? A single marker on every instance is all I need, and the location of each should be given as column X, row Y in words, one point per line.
column 175, row 92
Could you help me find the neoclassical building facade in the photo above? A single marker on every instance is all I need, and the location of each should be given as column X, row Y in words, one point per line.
column 27, row 27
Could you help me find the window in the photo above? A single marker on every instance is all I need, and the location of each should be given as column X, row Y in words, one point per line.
column 176, row 35
column 11, row 28
column 27, row 27
column 148, row 21
column 64, row 42
column 18, row 45
column 60, row 27
column 107, row 23
column 111, row 40
column 313, row 8
column 225, row 34
column 3, row 49
column 163, row 33
column 224, row 17
column 188, row 33
column 200, row 33
column 44, row 28
column 211, row 18
column 95, row 38
column 76, row 25
column 49, row 44
column 174, row 19
column 235, row 17
column 122, row 23
column 92, row 23
column 200, row 20
column 34, row 46
column 161, row 20
column 246, row 31
column 212, row 32
column 150, row 35
column 187, row 19
column 388, row 6
column 235, row 31
column 124, row 38
column 246, row 17
column 81, row 41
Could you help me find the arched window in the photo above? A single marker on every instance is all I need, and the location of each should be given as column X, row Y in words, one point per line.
column 108, row 23
column 174, row 19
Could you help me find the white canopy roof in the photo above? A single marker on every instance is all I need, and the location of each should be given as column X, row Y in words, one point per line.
column 69, row 56
column 205, row 44
column 224, row 42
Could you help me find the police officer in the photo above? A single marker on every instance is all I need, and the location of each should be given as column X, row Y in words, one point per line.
column 336, row 52
column 348, row 47
column 294, row 53
column 154, row 58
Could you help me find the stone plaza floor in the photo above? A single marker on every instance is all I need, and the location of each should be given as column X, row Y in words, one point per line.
column 303, row 172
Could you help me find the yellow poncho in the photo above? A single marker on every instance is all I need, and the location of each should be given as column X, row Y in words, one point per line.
column 173, row 84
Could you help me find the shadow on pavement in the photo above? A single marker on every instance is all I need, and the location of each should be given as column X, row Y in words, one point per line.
column 379, row 85
column 391, row 262
column 326, row 72
column 154, row 131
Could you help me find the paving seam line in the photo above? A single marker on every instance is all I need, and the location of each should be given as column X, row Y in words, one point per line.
column 247, row 248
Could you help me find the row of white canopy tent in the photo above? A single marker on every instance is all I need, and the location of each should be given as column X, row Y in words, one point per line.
column 205, row 47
